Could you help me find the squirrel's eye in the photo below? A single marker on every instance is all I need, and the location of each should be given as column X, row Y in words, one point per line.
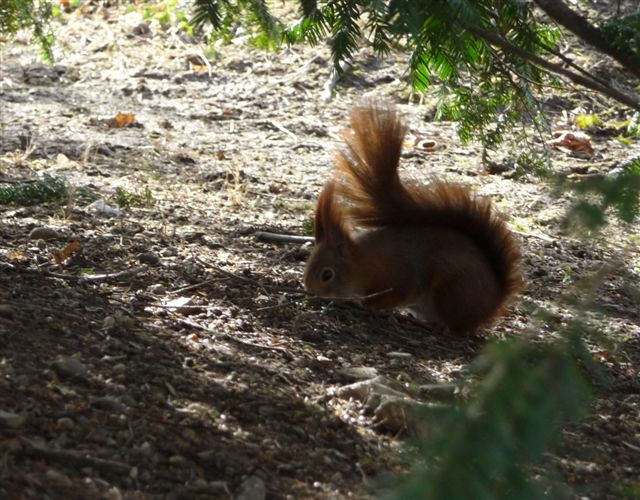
column 327, row 274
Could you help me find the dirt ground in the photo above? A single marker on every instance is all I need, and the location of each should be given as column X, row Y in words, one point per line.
column 202, row 371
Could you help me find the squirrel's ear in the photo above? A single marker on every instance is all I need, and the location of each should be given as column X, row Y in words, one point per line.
column 325, row 212
column 329, row 227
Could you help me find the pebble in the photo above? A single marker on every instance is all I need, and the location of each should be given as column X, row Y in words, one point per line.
column 438, row 391
column 70, row 368
column 324, row 361
column 109, row 323
column 146, row 449
column 58, row 478
column 399, row 355
column 206, row 455
column 149, row 258
column 219, row 487
column 11, row 420
column 252, row 488
column 65, row 424
column 120, row 368
column 142, row 29
column 177, row 460
column 190, row 435
column 128, row 400
column 6, row 311
column 359, row 372
column 43, row 233
column 199, row 484
column 109, row 404
column 157, row 289
column 113, row 494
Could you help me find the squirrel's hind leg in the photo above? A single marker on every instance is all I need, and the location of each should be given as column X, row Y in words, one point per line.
column 424, row 311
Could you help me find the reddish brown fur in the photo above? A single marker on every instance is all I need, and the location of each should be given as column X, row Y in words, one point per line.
column 444, row 222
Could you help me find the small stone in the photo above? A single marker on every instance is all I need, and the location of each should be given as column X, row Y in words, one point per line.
column 58, row 478
column 177, row 460
column 206, row 455
column 149, row 258
column 169, row 252
column 70, row 368
column 440, row 392
column 11, row 420
column 109, row 323
column 6, row 311
column 44, row 233
column 359, row 372
column 120, row 368
column 190, row 435
column 252, row 488
column 370, row 390
column 193, row 237
column 157, row 289
column 128, row 400
column 219, row 487
column 65, row 424
column 400, row 355
column 143, row 29
column 109, row 404
column 199, row 484
column 324, row 361
column 113, row 494
column 146, row 449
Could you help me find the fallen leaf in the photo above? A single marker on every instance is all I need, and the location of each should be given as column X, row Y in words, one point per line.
column 566, row 140
column 121, row 120
column 64, row 254
column 199, row 68
column 428, row 145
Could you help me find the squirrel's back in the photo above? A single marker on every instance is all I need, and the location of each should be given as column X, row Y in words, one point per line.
column 374, row 196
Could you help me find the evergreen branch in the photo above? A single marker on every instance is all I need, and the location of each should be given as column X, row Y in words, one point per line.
column 628, row 100
column 32, row 193
column 308, row 7
column 268, row 23
column 570, row 63
column 574, row 22
column 206, row 11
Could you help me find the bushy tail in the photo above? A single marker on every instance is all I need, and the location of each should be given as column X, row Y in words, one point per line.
column 368, row 181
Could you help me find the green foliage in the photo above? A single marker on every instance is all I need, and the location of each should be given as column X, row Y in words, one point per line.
column 486, row 447
column 126, row 198
column 168, row 13
column 28, row 14
column 308, row 226
column 624, row 34
column 620, row 190
column 486, row 91
column 588, row 121
column 225, row 14
column 633, row 128
column 32, row 193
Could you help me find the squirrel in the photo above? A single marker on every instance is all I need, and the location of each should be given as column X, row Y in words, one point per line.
column 437, row 249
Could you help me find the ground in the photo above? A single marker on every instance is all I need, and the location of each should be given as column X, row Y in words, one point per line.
column 202, row 371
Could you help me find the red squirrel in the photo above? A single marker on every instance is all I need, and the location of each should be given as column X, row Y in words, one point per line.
column 437, row 249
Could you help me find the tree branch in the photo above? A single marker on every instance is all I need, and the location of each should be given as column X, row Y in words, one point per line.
column 627, row 100
column 578, row 25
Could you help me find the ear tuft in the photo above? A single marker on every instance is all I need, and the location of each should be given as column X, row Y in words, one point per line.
column 330, row 227
column 325, row 213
